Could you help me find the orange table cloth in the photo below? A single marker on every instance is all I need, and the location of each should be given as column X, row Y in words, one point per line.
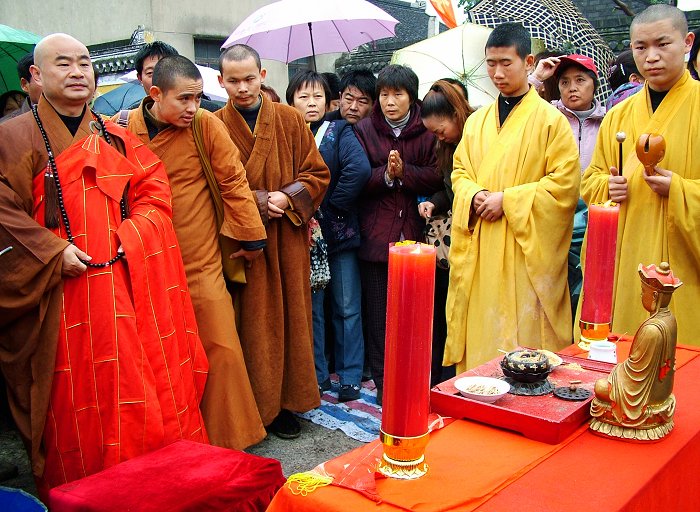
column 587, row 473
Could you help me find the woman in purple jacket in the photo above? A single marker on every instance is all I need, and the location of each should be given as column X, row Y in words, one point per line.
column 401, row 154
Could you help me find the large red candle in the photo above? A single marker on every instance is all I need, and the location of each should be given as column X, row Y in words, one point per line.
column 409, row 333
column 599, row 274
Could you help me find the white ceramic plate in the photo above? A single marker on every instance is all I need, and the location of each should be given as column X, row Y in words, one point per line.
column 554, row 360
column 483, row 389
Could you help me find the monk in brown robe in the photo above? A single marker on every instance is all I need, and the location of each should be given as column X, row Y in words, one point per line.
column 164, row 121
column 98, row 340
column 289, row 178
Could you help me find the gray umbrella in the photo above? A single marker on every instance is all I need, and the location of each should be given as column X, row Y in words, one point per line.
column 119, row 98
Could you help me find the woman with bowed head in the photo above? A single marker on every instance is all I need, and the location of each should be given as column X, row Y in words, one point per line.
column 444, row 111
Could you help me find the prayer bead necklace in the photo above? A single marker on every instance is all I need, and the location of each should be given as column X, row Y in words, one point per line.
column 53, row 171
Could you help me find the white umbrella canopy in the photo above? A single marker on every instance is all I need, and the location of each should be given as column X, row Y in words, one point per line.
column 210, row 77
column 288, row 30
column 440, row 57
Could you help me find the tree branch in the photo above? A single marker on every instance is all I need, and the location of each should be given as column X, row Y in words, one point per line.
column 622, row 6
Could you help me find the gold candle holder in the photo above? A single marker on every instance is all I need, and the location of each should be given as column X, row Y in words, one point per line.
column 404, row 457
column 592, row 332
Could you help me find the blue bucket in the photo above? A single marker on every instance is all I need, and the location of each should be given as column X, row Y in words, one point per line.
column 19, row 501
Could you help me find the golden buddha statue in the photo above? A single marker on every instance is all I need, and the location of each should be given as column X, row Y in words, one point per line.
column 635, row 401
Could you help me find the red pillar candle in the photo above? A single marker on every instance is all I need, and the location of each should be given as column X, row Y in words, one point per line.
column 409, row 334
column 599, row 274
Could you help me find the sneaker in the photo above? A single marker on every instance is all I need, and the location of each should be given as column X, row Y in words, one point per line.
column 324, row 386
column 348, row 392
column 285, row 425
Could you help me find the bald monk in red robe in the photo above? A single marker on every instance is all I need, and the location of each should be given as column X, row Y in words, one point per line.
column 98, row 342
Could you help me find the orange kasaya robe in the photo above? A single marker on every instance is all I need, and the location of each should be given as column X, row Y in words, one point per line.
column 275, row 305
column 120, row 342
column 229, row 408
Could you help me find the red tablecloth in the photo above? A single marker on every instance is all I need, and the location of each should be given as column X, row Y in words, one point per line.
column 590, row 473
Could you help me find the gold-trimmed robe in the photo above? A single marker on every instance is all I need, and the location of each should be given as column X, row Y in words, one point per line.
column 275, row 306
column 652, row 228
column 508, row 282
column 107, row 365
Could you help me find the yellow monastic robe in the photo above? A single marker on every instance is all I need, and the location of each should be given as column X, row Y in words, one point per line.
column 652, row 228
column 508, row 282
column 228, row 405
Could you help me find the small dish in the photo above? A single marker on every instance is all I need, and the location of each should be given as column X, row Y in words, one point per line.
column 554, row 359
column 483, row 389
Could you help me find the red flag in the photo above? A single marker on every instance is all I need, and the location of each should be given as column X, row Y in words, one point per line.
column 445, row 11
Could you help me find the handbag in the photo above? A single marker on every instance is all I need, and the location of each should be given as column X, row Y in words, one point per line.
column 437, row 233
column 234, row 268
column 320, row 274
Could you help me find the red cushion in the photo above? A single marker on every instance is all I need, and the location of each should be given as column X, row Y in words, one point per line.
column 182, row 476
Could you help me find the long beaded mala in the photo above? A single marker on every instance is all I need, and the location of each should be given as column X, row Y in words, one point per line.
column 53, row 171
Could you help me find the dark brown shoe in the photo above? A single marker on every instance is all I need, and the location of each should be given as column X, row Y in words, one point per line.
column 285, row 425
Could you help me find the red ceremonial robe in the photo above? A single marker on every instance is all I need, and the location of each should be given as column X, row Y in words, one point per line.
column 129, row 367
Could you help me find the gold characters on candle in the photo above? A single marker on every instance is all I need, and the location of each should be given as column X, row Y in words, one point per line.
column 635, row 402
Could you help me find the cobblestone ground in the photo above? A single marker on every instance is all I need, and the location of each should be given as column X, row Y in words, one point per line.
column 315, row 445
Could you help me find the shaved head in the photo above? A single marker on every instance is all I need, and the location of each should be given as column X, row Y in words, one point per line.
column 661, row 12
column 63, row 70
column 53, row 43
column 238, row 53
column 170, row 68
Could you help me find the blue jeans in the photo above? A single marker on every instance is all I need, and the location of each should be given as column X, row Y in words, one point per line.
column 345, row 295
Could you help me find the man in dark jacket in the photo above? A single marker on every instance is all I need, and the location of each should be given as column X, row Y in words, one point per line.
column 402, row 156
column 358, row 93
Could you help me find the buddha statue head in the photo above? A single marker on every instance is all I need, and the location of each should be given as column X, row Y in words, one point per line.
column 658, row 285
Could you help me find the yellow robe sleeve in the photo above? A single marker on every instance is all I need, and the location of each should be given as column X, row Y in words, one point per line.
column 684, row 219
column 533, row 208
column 464, row 176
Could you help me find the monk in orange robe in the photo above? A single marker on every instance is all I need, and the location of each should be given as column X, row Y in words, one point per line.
column 103, row 362
column 289, row 178
column 165, row 123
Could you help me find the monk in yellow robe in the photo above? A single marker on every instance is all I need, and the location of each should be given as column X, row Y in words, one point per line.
column 659, row 214
column 516, row 183
column 289, row 178
column 165, row 125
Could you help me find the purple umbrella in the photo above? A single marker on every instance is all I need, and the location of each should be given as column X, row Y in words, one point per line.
column 291, row 29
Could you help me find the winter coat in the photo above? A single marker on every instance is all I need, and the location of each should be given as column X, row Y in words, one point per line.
column 585, row 132
column 349, row 167
column 388, row 212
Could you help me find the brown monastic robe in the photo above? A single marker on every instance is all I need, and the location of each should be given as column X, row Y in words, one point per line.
column 228, row 406
column 275, row 306
column 31, row 286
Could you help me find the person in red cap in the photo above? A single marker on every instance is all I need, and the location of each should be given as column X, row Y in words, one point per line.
column 577, row 79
